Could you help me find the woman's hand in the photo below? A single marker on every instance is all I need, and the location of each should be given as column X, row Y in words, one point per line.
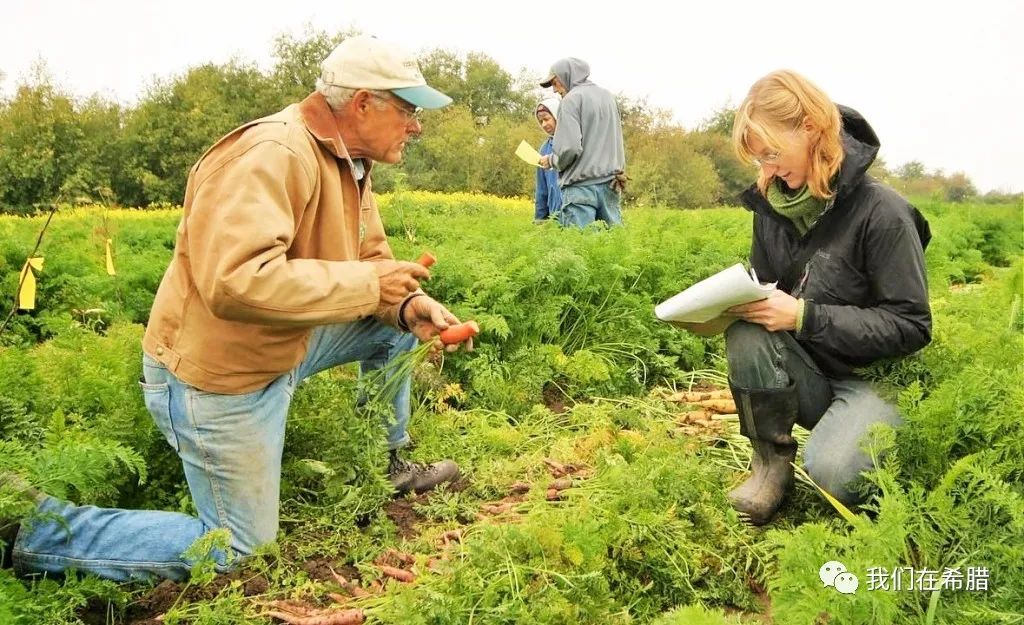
column 777, row 312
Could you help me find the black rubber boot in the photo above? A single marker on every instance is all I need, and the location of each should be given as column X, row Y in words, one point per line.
column 416, row 477
column 766, row 418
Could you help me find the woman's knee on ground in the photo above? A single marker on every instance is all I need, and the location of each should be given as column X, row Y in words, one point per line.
column 750, row 352
column 837, row 471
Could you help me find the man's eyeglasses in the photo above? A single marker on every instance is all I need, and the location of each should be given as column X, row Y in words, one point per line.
column 411, row 114
column 766, row 159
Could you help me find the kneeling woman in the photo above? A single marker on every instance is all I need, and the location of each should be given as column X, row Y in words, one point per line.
column 848, row 255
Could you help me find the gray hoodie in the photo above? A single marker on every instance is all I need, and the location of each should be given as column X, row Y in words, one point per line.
column 588, row 145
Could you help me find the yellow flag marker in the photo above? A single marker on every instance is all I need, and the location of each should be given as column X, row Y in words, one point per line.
column 110, row 261
column 526, row 152
column 27, row 293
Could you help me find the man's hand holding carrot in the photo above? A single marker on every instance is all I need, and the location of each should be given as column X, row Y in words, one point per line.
column 427, row 319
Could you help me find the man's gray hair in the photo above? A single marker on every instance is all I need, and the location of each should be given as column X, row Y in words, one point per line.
column 336, row 96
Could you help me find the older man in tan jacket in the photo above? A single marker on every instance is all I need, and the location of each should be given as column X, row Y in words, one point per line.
column 281, row 269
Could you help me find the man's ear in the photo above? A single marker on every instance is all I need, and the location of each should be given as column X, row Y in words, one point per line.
column 361, row 101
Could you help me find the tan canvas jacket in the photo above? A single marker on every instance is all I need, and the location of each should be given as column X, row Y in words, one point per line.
column 276, row 237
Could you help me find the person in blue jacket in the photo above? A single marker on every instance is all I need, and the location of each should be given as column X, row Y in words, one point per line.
column 548, row 198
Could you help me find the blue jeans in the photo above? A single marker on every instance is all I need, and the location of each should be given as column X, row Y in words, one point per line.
column 230, row 446
column 583, row 204
column 838, row 412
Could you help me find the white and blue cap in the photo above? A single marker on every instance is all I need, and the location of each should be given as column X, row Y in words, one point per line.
column 363, row 62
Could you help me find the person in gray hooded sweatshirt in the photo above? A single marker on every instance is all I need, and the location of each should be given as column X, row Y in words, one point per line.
column 588, row 152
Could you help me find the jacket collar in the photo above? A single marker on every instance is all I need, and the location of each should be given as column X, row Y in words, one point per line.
column 323, row 125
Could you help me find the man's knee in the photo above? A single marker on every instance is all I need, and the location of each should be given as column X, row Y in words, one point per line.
column 245, row 544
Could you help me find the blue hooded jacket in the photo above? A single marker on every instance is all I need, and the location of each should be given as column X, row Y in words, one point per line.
column 548, row 197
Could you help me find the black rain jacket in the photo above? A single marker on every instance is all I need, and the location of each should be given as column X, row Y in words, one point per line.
column 860, row 268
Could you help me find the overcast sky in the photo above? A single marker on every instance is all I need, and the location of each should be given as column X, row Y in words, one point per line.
column 942, row 82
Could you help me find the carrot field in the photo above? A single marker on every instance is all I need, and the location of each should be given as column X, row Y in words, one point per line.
column 593, row 487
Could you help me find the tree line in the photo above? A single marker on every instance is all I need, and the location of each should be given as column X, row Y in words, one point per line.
column 57, row 147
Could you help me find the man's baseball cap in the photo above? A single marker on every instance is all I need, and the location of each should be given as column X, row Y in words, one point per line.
column 362, row 62
column 547, row 81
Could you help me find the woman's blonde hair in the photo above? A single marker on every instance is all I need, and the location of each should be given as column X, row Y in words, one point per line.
column 785, row 101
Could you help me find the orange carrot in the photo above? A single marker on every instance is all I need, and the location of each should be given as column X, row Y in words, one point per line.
column 721, row 406
column 426, row 259
column 699, row 396
column 344, row 617
column 553, row 494
column 519, row 488
column 561, row 483
column 451, row 536
column 359, row 592
column 557, row 468
column 460, row 333
column 399, row 574
column 338, row 577
column 391, row 556
column 498, row 508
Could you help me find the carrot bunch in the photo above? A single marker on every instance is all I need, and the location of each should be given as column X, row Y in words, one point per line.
column 383, row 385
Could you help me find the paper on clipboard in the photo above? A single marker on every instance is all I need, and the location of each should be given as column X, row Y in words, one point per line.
column 710, row 297
column 527, row 152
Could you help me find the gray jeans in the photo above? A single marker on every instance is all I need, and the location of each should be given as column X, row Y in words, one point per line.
column 838, row 412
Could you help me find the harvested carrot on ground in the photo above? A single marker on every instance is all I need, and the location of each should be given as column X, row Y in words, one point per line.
column 451, row 535
column 699, row 396
column 498, row 508
column 555, row 466
column 359, row 592
column 392, row 555
column 560, row 484
column 426, row 259
column 721, row 406
column 344, row 617
column 694, row 416
column 553, row 494
column 399, row 574
column 519, row 488
column 459, row 333
column 338, row 577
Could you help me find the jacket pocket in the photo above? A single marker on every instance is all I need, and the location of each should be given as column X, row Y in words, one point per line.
column 158, row 403
column 835, row 281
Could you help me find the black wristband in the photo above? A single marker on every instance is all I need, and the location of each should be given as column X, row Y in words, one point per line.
column 401, row 312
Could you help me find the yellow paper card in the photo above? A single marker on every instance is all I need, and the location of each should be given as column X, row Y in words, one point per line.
column 27, row 293
column 526, row 152
column 110, row 261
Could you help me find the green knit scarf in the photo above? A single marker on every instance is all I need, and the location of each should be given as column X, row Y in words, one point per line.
column 799, row 206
